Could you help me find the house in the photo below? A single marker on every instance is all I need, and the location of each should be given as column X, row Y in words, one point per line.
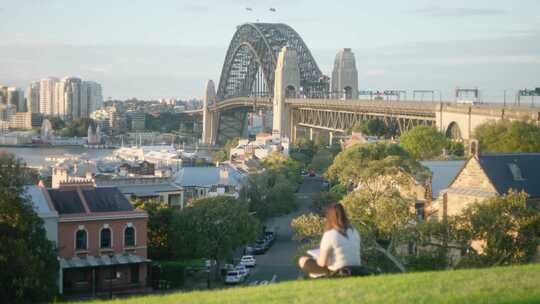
column 356, row 138
column 101, row 240
column 485, row 176
column 199, row 182
column 161, row 189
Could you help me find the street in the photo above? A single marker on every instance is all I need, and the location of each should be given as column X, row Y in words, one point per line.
column 277, row 263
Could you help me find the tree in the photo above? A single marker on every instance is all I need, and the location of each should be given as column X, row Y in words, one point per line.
column 269, row 194
column 322, row 160
column 423, row 142
column 56, row 122
column 77, row 127
column 223, row 154
column 28, row 264
column 371, row 127
column 368, row 162
column 500, row 230
column 385, row 221
column 508, row 136
column 284, row 165
column 160, row 217
column 455, row 148
column 213, row 228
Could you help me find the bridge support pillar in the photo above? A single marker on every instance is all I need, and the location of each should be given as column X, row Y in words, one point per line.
column 311, row 134
column 345, row 75
column 330, row 138
column 209, row 119
column 286, row 85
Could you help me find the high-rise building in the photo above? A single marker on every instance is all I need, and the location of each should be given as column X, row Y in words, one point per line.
column 95, row 96
column 47, row 95
column 69, row 96
column 15, row 97
column 32, row 97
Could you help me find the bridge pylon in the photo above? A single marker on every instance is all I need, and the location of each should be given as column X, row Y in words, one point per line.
column 209, row 117
column 345, row 75
column 286, row 85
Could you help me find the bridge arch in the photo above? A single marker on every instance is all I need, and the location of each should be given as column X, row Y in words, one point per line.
column 454, row 131
column 251, row 58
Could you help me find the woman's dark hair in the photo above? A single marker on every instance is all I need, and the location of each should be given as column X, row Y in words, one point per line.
column 336, row 218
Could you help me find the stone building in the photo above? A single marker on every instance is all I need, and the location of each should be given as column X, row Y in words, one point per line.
column 485, row 176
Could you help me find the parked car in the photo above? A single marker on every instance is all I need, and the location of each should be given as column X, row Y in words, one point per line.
column 258, row 249
column 243, row 270
column 261, row 244
column 248, row 261
column 249, row 249
column 234, row 277
column 226, row 268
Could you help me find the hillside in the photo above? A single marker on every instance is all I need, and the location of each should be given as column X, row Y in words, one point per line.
column 517, row 284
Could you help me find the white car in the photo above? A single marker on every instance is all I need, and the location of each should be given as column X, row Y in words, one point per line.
column 234, row 277
column 248, row 261
column 242, row 270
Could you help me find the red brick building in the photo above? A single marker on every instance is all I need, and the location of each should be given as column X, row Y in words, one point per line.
column 101, row 239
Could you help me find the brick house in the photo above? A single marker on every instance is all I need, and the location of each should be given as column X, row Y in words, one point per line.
column 101, row 239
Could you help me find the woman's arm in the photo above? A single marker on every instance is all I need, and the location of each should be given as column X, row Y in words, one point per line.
column 325, row 250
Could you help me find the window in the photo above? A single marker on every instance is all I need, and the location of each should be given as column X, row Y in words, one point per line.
column 105, row 238
column 129, row 237
column 516, row 172
column 80, row 240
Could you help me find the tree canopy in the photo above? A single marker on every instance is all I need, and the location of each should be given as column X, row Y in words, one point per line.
column 28, row 264
column 423, row 142
column 159, row 222
column 77, row 127
column 362, row 163
column 271, row 192
column 505, row 136
column 213, row 227
column 505, row 227
column 372, row 127
column 223, row 154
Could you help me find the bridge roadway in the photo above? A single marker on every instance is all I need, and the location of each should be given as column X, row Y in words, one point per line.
column 335, row 115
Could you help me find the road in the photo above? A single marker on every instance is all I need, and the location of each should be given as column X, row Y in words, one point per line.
column 277, row 263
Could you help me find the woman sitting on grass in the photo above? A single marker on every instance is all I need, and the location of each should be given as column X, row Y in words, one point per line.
column 339, row 249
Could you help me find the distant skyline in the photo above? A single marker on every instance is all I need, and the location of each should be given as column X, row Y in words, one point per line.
column 165, row 49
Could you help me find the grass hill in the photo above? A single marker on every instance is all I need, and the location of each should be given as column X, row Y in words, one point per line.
column 516, row 284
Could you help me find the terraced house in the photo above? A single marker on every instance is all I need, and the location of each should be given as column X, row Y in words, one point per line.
column 101, row 240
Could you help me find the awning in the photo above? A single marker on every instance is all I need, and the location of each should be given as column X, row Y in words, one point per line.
column 104, row 260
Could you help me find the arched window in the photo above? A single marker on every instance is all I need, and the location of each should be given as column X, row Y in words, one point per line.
column 290, row 92
column 129, row 237
column 81, row 240
column 105, row 238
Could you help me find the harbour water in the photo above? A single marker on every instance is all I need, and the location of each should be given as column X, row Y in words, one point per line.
column 36, row 156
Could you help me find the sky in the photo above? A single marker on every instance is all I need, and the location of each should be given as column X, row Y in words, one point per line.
column 163, row 49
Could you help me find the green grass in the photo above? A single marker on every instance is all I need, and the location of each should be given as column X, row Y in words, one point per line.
column 517, row 284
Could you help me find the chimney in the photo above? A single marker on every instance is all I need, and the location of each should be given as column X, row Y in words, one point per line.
column 474, row 148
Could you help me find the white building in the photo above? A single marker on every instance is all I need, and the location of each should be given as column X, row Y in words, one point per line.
column 47, row 95
column 45, row 211
column 261, row 147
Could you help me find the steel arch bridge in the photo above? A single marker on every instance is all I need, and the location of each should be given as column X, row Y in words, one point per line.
column 250, row 63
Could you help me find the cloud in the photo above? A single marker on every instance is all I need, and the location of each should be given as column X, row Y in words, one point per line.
column 436, row 11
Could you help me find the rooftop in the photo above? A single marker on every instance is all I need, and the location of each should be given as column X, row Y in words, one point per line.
column 518, row 171
column 100, row 199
